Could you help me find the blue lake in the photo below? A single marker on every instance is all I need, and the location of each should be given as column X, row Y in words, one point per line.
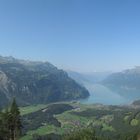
column 103, row 95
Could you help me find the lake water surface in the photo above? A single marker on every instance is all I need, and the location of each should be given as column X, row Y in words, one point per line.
column 103, row 95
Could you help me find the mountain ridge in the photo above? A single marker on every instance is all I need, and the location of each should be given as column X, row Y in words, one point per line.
column 34, row 82
column 126, row 83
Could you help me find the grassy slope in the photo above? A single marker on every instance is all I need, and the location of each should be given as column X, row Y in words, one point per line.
column 30, row 109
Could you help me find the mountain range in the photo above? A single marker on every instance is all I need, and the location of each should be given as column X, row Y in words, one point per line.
column 126, row 83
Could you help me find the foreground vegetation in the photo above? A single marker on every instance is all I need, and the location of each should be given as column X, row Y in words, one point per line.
column 70, row 121
column 10, row 123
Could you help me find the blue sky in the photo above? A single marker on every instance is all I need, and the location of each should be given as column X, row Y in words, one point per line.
column 80, row 35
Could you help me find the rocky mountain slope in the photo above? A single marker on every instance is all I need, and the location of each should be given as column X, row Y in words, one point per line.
column 36, row 82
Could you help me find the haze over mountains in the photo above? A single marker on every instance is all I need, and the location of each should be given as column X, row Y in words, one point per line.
column 85, row 78
column 125, row 83
column 36, row 82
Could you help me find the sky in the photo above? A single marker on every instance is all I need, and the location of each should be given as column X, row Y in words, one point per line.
column 78, row 35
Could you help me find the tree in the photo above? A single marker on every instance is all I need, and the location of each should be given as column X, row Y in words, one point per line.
column 1, row 127
column 14, row 121
column 4, row 125
column 10, row 123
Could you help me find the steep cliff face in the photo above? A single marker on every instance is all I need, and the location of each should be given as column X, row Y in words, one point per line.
column 36, row 82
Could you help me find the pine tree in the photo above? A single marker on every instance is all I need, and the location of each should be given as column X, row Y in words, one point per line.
column 4, row 125
column 1, row 127
column 15, row 121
